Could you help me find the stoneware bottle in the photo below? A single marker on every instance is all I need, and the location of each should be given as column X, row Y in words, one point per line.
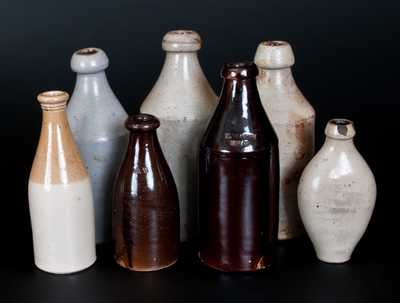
column 97, row 121
column 337, row 194
column 293, row 119
column 239, row 178
column 184, row 101
column 145, row 204
column 60, row 195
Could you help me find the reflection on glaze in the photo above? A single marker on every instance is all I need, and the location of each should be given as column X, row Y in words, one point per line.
column 145, row 204
column 238, row 178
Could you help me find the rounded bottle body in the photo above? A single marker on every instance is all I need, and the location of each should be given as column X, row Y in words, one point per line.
column 337, row 193
column 60, row 195
column 97, row 122
column 183, row 100
column 145, row 203
column 238, row 179
column 293, row 119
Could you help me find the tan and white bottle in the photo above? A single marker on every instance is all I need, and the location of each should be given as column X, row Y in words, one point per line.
column 183, row 100
column 293, row 119
column 60, row 195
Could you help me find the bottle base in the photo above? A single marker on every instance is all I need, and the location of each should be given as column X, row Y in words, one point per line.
column 64, row 271
column 259, row 266
column 333, row 259
column 144, row 269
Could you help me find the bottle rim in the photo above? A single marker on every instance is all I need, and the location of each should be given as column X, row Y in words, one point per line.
column 239, row 70
column 142, row 122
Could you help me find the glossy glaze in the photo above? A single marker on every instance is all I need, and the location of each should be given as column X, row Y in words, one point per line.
column 184, row 101
column 293, row 119
column 60, row 195
column 97, row 123
column 239, row 178
column 145, row 204
column 337, row 193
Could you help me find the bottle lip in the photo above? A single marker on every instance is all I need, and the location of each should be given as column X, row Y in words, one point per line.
column 142, row 122
column 89, row 60
column 340, row 129
column 274, row 54
column 239, row 70
column 53, row 100
column 181, row 41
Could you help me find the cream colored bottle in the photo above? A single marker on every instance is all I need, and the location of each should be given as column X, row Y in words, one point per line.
column 337, row 193
column 60, row 195
column 183, row 100
column 293, row 119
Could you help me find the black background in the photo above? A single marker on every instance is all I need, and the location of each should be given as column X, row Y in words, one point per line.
column 347, row 62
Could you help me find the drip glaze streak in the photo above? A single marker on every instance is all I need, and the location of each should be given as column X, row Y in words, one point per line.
column 145, row 204
column 239, row 178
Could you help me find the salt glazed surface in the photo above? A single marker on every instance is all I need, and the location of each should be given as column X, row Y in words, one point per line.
column 337, row 193
column 183, row 100
column 97, row 121
column 293, row 119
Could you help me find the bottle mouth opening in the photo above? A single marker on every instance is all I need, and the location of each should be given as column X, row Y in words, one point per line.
column 340, row 122
column 245, row 69
column 181, row 40
column 142, row 122
column 340, row 129
column 274, row 43
column 87, row 51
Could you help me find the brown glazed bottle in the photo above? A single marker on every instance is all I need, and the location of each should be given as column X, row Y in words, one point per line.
column 145, row 203
column 239, row 178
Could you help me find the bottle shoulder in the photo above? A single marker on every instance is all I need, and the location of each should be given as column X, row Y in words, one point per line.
column 96, row 121
column 180, row 97
column 337, row 165
column 285, row 105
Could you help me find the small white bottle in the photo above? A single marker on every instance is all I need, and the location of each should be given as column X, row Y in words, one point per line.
column 337, row 193
column 97, row 121
column 183, row 100
column 293, row 119
column 60, row 195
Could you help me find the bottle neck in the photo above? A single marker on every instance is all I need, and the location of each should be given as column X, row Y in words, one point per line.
column 335, row 145
column 54, row 117
column 277, row 77
column 239, row 92
column 93, row 85
column 182, row 65
column 143, row 142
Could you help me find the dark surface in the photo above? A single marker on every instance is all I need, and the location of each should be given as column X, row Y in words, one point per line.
column 347, row 65
column 297, row 277
column 238, row 174
column 145, row 214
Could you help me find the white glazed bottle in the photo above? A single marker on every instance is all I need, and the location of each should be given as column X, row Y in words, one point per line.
column 337, row 193
column 97, row 121
column 60, row 195
column 293, row 119
column 183, row 100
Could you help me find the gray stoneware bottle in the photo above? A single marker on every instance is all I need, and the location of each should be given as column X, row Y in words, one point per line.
column 184, row 101
column 97, row 121
column 293, row 119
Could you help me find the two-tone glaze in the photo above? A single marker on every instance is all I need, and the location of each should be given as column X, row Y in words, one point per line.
column 60, row 195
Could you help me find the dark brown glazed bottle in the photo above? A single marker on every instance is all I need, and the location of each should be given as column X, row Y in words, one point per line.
column 145, row 203
column 239, row 178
